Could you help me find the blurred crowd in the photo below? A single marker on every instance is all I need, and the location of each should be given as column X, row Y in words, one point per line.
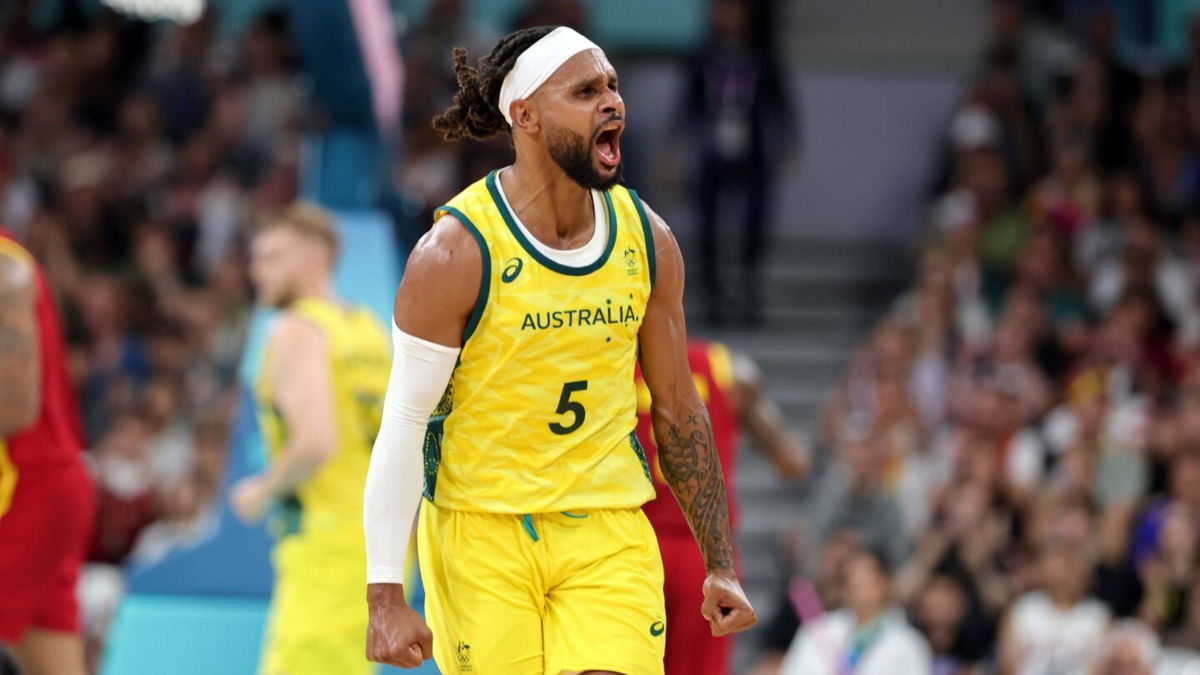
column 132, row 159
column 1017, row 444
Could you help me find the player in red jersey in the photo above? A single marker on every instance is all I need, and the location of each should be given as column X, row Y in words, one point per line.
column 46, row 501
column 731, row 387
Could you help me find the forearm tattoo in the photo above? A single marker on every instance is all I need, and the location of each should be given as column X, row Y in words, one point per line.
column 692, row 468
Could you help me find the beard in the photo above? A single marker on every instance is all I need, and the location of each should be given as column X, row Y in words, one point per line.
column 573, row 154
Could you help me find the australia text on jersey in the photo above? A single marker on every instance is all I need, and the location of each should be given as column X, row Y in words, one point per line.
column 580, row 316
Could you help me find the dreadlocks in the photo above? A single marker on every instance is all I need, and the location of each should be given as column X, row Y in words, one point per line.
column 475, row 113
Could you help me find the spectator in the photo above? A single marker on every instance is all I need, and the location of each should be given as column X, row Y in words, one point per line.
column 957, row 636
column 810, row 592
column 736, row 102
column 868, row 636
column 854, row 498
column 1054, row 629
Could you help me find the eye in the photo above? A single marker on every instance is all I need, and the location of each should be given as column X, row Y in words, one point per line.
column 612, row 86
column 587, row 91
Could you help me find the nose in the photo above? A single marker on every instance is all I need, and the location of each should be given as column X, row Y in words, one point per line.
column 612, row 104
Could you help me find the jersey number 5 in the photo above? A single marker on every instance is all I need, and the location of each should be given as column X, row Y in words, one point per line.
column 566, row 405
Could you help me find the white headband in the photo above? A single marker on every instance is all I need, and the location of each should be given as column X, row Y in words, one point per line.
column 536, row 64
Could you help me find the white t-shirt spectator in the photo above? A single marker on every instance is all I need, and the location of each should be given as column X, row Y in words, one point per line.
column 826, row 644
column 1054, row 641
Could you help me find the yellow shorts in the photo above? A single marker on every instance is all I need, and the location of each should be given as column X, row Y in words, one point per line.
column 542, row 594
column 318, row 619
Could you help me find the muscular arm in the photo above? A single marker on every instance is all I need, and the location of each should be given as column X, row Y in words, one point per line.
column 300, row 377
column 303, row 385
column 433, row 304
column 763, row 419
column 20, row 359
column 686, row 452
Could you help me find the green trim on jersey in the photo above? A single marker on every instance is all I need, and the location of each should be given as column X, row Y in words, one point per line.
column 435, row 431
column 647, row 234
column 289, row 516
column 641, row 454
column 485, row 282
column 510, row 220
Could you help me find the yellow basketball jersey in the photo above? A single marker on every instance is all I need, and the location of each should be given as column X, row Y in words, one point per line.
column 359, row 362
column 540, row 412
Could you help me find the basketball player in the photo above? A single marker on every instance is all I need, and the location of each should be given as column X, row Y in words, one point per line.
column 46, row 499
column 731, row 387
column 518, row 324
column 323, row 378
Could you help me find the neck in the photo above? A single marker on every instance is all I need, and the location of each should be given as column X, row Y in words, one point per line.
column 557, row 210
column 1064, row 599
column 317, row 289
column 864, row 617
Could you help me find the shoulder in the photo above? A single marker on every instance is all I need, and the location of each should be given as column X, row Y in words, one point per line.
column 295, row 333
column 908, row 638
column 450, row 246
column 830, row 624
column 658, row 226
column 1030, row 604
column 1094, row 610
column 17, row 273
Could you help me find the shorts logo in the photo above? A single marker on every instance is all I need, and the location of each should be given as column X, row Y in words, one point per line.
column 512, row 268
column 657, row 628
column 463, row 653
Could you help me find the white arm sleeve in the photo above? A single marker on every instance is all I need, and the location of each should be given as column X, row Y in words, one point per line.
column 420, row 372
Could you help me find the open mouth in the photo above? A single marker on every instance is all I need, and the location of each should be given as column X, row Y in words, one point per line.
column 608, row 144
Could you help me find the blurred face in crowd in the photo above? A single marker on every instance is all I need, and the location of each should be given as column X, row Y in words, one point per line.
column 965, row 508
column 284, row 262
column 839, row 548
column 1125, row 196
column 1010, row 342
column 1185, row 478
column 731, row 20
column 1073, row 525
column 1038, row 263
column 100, row 304
column 983, row 173
column 1070, row 161
column 862, row 463
column 940, row 610
column 1064, row 574
column 891, row 352
column 140, row 118
column 1177, row 539
column 997, row 411
column 1023, row 307
column 1185, row 426
column 868, row 587
column 891, row 399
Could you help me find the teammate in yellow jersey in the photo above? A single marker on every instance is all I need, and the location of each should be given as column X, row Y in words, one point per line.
column 517, row 327
column 324, row 375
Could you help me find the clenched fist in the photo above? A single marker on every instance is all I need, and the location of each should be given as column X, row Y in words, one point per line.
column 396, row 635
column 725, row 604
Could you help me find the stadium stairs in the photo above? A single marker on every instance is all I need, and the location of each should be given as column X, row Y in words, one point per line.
column 822, row 298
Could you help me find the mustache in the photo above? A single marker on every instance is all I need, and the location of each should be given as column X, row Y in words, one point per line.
column 611, row 118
